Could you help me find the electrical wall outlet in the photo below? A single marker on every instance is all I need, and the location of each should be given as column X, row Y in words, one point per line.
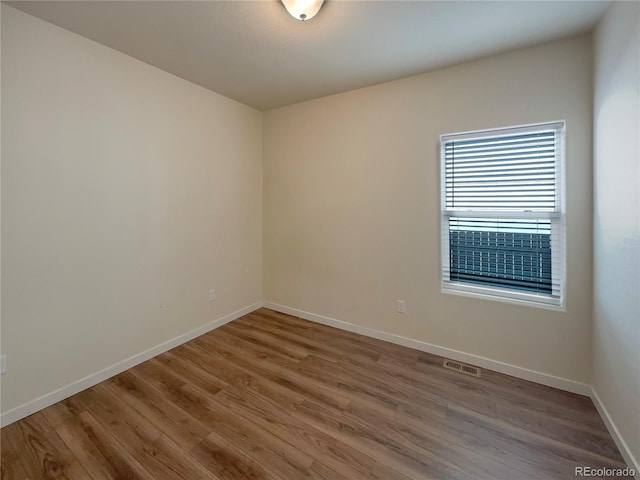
column 3, row 364
column 400, row 306
column 212, row 294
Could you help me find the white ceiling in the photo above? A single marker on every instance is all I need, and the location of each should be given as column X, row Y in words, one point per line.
column 254, row 52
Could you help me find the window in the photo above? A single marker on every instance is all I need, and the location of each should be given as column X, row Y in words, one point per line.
column 502, row 213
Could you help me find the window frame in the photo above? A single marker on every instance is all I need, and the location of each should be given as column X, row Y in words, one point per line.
column 555, row 301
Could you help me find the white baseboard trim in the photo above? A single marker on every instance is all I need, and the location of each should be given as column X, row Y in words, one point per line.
column 506, row 368
column 625, row 451
column 44, row 401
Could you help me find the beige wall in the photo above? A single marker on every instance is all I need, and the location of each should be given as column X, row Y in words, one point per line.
column 616, row 328
column 127, row 193
column 352, row 209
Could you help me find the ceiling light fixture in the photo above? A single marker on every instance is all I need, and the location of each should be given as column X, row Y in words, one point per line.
column 303, row 9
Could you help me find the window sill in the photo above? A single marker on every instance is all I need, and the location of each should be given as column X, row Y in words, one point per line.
column 510, row 297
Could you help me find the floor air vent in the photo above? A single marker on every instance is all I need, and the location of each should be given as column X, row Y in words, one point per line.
column 461, row 367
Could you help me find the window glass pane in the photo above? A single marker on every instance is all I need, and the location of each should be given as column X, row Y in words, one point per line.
column 507, row 253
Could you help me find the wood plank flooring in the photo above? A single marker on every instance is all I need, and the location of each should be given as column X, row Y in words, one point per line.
column 270, row 396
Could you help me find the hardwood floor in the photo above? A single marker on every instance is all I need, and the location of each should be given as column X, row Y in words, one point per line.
column 270, row 396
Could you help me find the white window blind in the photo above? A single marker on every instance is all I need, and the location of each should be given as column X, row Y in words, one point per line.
column 502, row 215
